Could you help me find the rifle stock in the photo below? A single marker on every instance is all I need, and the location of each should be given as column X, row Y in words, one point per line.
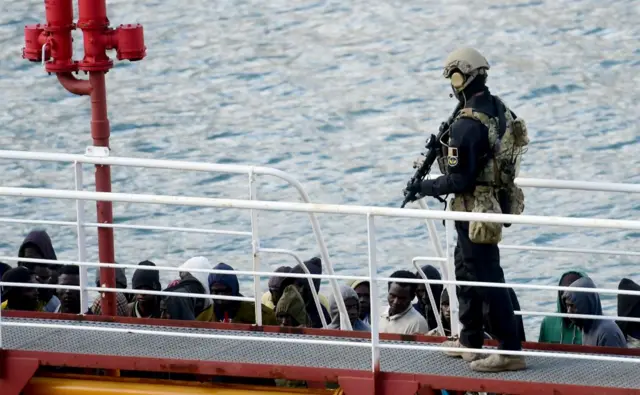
column 434, row 149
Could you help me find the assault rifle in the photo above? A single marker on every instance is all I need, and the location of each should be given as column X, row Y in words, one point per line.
column 434, row 150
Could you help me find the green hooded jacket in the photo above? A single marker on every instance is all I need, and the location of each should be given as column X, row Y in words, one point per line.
column 560, row 329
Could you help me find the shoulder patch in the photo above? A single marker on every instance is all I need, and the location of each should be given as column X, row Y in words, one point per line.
column 452, row 157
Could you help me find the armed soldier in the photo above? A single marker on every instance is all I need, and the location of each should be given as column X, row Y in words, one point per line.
column 479, row 157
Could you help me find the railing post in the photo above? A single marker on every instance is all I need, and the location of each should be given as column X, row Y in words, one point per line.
column 373, row 281
column 255, row 249
column 432, row 301
column 433, row 233
column 82, row 247
column 451, row 288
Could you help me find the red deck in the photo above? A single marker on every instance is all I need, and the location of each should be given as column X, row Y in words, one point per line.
column 21, row 364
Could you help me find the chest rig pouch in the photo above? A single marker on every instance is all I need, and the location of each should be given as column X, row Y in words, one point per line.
column 496, row 191
column 443, row 160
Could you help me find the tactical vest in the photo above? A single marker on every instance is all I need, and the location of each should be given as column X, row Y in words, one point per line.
column 495, row 190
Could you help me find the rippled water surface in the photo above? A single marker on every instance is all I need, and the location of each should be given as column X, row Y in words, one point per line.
column 341, row 95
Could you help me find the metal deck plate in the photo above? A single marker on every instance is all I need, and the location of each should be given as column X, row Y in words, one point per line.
column 540, row 369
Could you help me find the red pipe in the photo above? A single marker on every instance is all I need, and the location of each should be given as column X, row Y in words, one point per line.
column 74, row 85
column 59, row 25
column 98, row 37
column 100, row 133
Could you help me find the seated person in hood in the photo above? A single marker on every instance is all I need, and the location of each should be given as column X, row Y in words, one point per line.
column 290, row 310
column 271, row 297
column 189, row 308
column 69, row 298
column 352, row 304
column 629, row 306
column 400, row 317
column 445, row 316
column 561, row 329
column 4, row 268
column 122, row 302
column 239, row 312
column 19, row 298
column 604, row 333
column 314, row 265
column 144, row 305
column 424, row 306
column 363, row 290
column 37, row 245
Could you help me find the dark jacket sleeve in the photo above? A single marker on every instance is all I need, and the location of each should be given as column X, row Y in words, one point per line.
column 471, row 138
column 180, row 308
column 611, row 339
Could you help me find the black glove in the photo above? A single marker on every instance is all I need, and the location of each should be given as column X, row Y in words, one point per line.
column 413, row 190
column 420, row 189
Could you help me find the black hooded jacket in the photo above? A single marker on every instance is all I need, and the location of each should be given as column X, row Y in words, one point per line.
column 41, row 240
column 185, row 308
column 314, row 265
column 436, row 289
column 629, row 306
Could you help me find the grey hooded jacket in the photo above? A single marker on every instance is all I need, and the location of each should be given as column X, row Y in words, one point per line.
column 604, row 333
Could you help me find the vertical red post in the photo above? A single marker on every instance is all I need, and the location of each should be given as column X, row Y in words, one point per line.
column 100, row 132
column 92, row 20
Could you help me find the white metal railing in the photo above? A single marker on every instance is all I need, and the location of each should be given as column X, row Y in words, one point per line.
column 254, row 206
column 373, row 278
column 574, row 222
column 100, row 157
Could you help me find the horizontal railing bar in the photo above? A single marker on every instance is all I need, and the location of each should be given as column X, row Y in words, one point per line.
column 128, row 290
column 176, row 269
column 587, row 316
column 241, row 233
column 429, row 259
column 165, row 293
column 511, row 285
column 127, row 226
column 142, row 162
column 565, row 249
column 240, row 169
column 295, row 340
column 577, row 185
column 337, row 277
column 566, row 355
column 251, row 299
column 320, row 208
column 39, row 285
column 36, row 222
column 168, row 228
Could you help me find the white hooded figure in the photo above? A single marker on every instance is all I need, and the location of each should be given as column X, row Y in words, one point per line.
column 192, row 282
column 197, row 262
